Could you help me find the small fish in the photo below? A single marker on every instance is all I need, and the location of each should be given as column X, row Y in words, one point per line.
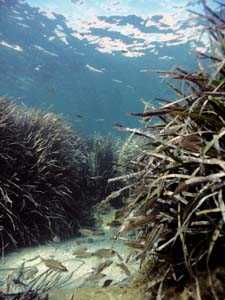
column 104, row 253
column 135, row 222
column 79, row 116
column 89, row 232
column 107, row 282
column 30, row 272
column 102, row 266
column 84, row 255
column 100, row 120
column 54, row 264
column 86, row 232
column 96, row 277
column 135, row 244
column 124, row 268
column 79, row 251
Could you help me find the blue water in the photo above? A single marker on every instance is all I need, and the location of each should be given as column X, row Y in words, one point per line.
column 98, row 67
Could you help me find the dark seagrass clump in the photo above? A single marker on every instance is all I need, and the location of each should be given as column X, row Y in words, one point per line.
column 102, row 162
column 176, row 206
column 43, row 178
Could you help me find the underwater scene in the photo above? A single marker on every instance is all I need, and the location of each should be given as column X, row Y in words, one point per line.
column 112, row 149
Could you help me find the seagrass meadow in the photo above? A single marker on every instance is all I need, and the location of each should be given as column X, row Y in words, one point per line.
column 175, row 209
column 43, row 173
column 48, row 182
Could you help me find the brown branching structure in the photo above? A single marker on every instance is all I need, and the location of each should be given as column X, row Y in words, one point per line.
column 43, row 180
column 176, row 207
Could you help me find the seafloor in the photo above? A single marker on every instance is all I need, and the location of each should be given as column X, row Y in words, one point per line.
column 81, row 285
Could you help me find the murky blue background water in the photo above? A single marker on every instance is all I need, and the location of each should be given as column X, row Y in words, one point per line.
column 93, row 61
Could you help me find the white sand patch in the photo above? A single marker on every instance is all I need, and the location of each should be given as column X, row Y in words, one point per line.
column 63, row 252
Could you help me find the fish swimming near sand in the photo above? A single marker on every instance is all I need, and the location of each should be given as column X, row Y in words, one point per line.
column 53, row 264
column 80, row 250
column 30, row 272
column 139, row 245
column 102, row 266
column 135, row 222
column 124, row 268
column 104, row 253
column 89, row 232
column 84, row 255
